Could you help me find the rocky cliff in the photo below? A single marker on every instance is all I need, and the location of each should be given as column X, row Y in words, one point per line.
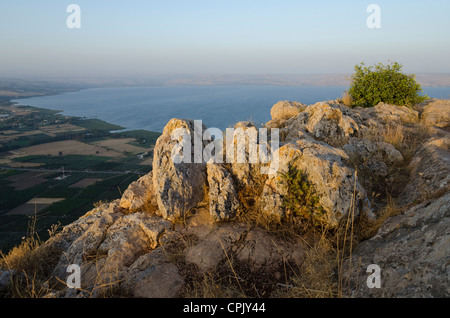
column 220, row 229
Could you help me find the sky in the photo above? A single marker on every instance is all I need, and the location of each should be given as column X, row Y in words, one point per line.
column 126, row 38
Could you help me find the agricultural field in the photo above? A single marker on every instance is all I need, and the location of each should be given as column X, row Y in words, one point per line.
column 65, row 147
column 54, row 168
column 120, row 145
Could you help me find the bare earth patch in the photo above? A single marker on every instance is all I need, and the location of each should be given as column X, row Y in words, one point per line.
column 33, row 206
column 24, row 164
column 120, row 145
column 52, row 130
column 85, row 182
column 27, row 179
column 66, row 147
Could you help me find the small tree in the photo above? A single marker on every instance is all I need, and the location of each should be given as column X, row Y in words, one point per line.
column 384, row 83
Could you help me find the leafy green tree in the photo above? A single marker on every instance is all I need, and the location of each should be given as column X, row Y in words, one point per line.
column 384, row 83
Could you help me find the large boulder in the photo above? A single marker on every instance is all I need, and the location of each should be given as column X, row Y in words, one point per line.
column 437, row 113
column 257, row 250
column 393, row 114
column 429, row 171
column 247, row 166
column 261, row 252
column 214, row 247
column 335, row 183
column 223, row 202
column 153, row 276
column 104, row 244
column 178, row 178
column 373, row 157
column 286, row 109
column 323, row 121
column 139, row 193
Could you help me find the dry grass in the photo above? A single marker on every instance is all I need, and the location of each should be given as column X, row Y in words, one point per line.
column 209, row 286
column 347, row 99
column 30, row 265
column 394, row 135
column 315, row 278
column 322, row 273
column 368, row 228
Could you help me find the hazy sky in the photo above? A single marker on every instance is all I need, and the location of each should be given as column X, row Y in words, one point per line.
column 131, row 37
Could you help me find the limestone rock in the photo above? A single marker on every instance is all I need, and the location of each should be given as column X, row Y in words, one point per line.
column 153, row 276
column 178, row 186
column 325, row 167
column 285, row 110
column 264, row 253
column 210, row 251
column 413, row 252
column 323, row 121
column 275, row 123
column 105, row 243
column 138, row 193
column 437, row 113
column 374, row 157
column 429, row 171
column 392, row 113
column 81, row 239
column 223, row 202
column 243, row 170
column 329, row 124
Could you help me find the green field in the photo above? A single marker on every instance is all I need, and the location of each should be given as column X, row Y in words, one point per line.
column 89, row 176
column 77, row 202
column 97, row 124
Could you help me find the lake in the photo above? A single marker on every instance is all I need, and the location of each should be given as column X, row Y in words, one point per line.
column 151, row 108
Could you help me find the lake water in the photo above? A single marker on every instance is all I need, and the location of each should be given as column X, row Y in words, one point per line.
column 151, row 108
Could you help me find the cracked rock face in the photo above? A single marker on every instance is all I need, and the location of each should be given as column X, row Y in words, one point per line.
column 178, row 186
column 223, row 202
column 106, row 244
column 437, row 113
column 334, row 181
column 429, row 171
column 412, row 251
column 139, row 193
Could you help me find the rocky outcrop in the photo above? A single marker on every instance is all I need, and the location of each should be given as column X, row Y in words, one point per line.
column 393, row 114
column 223, row 201
column 436, row 113
column 429, row 171
column 374, row 157
column 185, row 219
column 286, row 109
column 412, row 252
column 327, row 122
column 179, row 184
column 139, row 193
column 336, row 183
column 105, row 243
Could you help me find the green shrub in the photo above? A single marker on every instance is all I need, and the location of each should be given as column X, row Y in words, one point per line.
column 301, row 199
column 384, row 83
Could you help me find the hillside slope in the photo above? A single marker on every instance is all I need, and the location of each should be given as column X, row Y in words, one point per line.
column 377, row 192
